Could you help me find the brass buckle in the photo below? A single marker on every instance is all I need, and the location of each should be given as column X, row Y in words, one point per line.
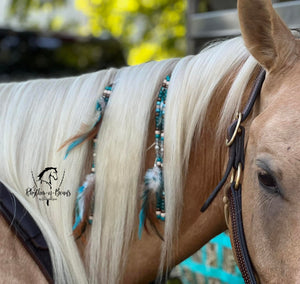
column 236, row 130
column 236, row 176
column 226, row 210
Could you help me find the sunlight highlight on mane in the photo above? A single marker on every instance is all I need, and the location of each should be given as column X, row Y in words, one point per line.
column 192, row 87
column 38, row 116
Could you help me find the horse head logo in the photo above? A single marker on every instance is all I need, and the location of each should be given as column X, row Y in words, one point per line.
column 47, row 175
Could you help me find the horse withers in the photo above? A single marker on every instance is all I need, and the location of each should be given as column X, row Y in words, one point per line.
column 204, row 94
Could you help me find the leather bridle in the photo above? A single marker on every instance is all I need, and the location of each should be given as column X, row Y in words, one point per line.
column 236, row 162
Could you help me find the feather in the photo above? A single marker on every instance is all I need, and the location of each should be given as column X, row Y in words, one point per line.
column 83, row 204
column 100, row 107
column 74, row 144
column 153, row 184
column 143, row 212
column 90, row 133
column 153, row 179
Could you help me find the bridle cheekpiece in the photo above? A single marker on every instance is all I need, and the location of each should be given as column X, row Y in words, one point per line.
column 233, row 200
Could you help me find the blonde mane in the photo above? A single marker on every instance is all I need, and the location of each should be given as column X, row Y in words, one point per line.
column 36, row 117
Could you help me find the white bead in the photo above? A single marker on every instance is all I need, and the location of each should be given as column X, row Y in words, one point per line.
column 158, row 213
column 163, row 214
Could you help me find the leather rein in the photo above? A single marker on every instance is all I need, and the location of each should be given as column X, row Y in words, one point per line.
column 236, row 162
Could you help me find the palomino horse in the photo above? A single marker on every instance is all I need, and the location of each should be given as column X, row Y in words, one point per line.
column 205, row 92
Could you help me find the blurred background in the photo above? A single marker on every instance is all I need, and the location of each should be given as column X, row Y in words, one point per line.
column 46, row 38
column 54, row 38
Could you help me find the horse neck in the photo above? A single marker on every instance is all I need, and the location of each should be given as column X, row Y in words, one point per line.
column 195, row 229
column 206, row 166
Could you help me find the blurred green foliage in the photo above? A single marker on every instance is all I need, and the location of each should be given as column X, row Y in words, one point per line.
column 147, row 29
column 21, row 8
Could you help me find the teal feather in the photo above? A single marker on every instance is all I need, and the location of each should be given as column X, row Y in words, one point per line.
column 153, row 184
column 78, row 212
column 83, row 204
column 100, row 107
column 143, row 212
column 74, row 144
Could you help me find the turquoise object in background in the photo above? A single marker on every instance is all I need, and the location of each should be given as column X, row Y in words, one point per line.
column 217, row 272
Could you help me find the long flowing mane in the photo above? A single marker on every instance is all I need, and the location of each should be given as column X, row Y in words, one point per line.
column 36, row 117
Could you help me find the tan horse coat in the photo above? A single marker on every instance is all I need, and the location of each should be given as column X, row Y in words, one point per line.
column 274, row 47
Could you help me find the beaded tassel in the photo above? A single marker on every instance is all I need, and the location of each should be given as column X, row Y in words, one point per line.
column 153, row 181
column 84, row 200
column 84, row 205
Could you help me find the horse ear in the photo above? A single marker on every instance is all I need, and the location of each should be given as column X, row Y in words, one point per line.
column 266, row 36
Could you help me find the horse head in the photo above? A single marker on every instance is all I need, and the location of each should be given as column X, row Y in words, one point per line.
column 271, row 178
column 47, row 175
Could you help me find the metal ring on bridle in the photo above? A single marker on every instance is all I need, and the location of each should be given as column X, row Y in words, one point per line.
column 238, row 176
column 229, row 143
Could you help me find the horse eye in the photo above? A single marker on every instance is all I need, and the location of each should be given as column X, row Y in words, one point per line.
column 268, row 181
